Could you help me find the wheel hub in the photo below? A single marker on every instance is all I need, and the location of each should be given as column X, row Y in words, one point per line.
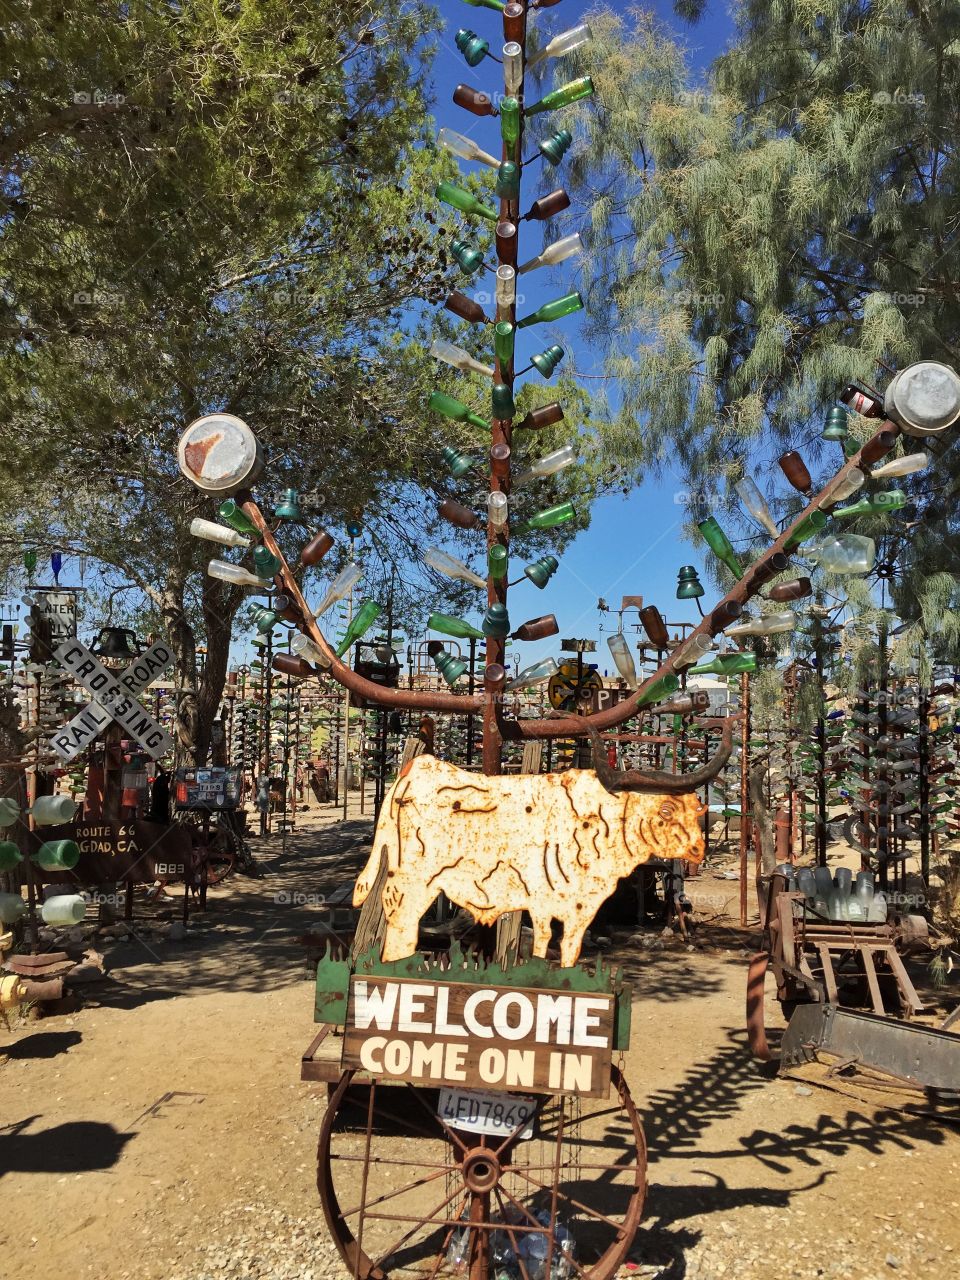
column 481, row 1171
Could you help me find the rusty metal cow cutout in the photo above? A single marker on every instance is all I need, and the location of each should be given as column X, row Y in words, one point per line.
column 551, row 844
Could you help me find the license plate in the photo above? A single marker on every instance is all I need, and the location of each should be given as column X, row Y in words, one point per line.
column 494, row 1113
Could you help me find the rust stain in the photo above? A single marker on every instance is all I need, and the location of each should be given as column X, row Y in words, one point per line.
column 197, row 452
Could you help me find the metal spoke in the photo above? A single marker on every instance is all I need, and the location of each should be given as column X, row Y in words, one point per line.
column 389, row 1195
column 594, row 1213
column 421, row 1222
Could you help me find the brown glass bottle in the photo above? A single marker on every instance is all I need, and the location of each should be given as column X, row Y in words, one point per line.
column 725, row 613
column 545, row 416
column 473, row 100
column 863, row 400
column 456, row 513
column 537, row 628
column 654, row 626
column 795, row 590
column 291, row 665
column 506, row 237
column 763, row 572
column 550, row 205
column 494, row 678
column 464, row 307
column 795, row 469
column 500, row 459
column 513, row 21
column 316, row 548
column 881, row 443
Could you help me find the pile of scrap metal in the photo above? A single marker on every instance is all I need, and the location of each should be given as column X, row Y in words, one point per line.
column 30, row 979
column 828, row 974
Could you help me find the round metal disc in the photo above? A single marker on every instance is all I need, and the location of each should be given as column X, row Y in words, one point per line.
column 219, row 454
column 924, row 398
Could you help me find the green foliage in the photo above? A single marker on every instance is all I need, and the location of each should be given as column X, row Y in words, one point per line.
column 758, row 243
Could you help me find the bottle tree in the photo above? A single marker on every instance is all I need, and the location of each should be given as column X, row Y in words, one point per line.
column 812, row 531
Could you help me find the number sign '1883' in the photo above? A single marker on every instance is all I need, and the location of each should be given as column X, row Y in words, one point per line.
column 445, row 1033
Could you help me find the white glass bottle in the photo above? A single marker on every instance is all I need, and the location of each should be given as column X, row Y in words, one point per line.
column 506, row 288
column 497, row 506
column 459, row 358
column 768, row 624
column 549, row 464
column 65, row 909
column 512, row 68
column 908, row 465
column 213, row 532
column 236, row 575
column 565, row 42
column 554, row 253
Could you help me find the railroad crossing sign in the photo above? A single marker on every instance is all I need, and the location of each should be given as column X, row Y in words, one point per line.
column 114, row 694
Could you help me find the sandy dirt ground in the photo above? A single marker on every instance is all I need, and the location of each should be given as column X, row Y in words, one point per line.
column 162, row 1130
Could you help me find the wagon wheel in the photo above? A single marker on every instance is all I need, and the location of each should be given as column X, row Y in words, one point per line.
column 404, row 1194
column 217, row 849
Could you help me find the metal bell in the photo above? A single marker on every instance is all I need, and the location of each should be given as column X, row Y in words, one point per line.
column 115, row 642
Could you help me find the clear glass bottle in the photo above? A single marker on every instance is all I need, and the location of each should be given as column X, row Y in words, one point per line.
column 623, row 658
column 341, row 587
column 536, row 673
column 308, row 651
column 449, row 565
column 236, row 575
column 844, row 553
column 465, row 148
column 512, row 67
column 566, row 42
column 497, row 508
column 459, row 359
column 554, row 254
column 755, row 503
column 908, row 465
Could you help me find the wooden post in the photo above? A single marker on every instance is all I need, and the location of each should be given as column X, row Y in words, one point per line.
column 744, row 790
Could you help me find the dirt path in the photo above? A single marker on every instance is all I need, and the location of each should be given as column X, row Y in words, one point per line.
column 163, row 1130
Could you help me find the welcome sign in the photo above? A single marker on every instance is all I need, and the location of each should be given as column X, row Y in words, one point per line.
column 445, row 1033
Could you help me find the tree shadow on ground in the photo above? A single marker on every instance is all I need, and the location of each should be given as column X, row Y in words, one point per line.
column 79, row 1146
column 42, row 1044
column 677, row 1122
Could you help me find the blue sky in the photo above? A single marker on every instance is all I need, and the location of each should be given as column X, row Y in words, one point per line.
column 635, row 544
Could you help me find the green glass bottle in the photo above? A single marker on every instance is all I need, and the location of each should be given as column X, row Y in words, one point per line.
column 876, row 504
column 496, row 624
column 265, row 562
column 467, row 258
column 497, row 562
column 458, row 464
column 510, row 121
column 502, row 401
column 661, row 688
column 451, row 626
column 542, row 570
column 360, row 624
column 548, row 519
column 463, row 200
column 507, row 185
column 727, row 664
column 807, row 528
column 504, row 340
column 721, row 546
column 562, row 97
column 554, row 310
column 231, row 513
column 456, row 410
column 498, row 5
column 10, row 855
